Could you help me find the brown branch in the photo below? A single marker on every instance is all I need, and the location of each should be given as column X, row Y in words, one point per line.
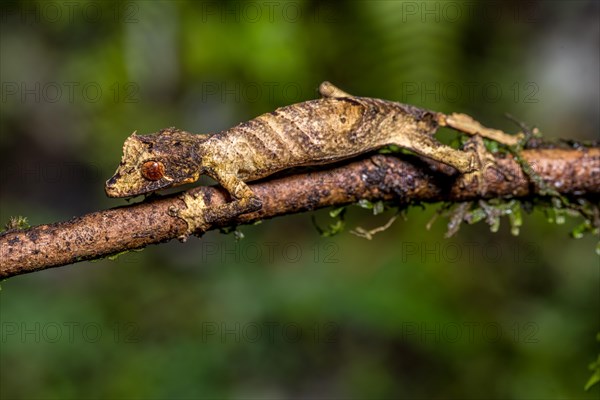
column 378, row 177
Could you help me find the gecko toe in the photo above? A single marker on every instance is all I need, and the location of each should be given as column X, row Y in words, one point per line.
column 254, row 203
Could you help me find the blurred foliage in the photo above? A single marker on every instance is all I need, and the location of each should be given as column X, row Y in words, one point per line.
column 595, row 368
column 283, row 312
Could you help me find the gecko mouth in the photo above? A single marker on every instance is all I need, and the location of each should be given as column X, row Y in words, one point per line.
column 111, row 188
column 113, row 181
column 114, row 187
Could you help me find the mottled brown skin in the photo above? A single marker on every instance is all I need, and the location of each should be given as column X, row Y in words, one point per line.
column 336, row 127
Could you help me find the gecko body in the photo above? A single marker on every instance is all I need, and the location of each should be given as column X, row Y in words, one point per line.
column 335, row 127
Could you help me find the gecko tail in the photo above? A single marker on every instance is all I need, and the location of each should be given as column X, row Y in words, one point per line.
column 328, row 89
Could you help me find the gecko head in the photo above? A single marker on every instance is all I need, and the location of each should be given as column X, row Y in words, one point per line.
column 154, row 162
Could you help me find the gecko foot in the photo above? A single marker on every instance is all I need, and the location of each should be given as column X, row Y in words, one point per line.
column 194, row 214
column 482, row 160
column 199, row 217
column 227, row 211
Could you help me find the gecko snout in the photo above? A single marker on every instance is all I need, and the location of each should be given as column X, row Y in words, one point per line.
column 110, row 188
column 112, row 181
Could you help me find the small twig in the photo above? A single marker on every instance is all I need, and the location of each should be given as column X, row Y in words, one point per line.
column 368, row 234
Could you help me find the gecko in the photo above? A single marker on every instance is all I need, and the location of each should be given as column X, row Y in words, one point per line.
column 335, row 127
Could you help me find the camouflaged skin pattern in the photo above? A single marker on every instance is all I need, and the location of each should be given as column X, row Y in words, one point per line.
column 176, row 149
column 317, row 132
column 335, row 127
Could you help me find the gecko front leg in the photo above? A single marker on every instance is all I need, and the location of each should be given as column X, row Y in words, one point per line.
column 244, row 200
column 199, row 216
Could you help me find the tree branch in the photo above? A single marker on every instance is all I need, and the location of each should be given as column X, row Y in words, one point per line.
column 376, row 177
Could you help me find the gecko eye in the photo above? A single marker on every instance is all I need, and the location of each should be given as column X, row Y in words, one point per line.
column 153, row 170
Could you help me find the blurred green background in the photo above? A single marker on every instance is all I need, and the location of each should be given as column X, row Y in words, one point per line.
column 285, row 313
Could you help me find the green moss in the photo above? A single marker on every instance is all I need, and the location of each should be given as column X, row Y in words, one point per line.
column 16, row 223
column 334, row 228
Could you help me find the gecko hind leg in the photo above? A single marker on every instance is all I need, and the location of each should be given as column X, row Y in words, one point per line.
column 483, row 160
column 427, row 146
column 471, row 162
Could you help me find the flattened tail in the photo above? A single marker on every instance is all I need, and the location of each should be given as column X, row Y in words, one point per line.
column 466, row 124
column 327, row 89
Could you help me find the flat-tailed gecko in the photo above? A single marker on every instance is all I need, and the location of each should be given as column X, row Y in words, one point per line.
column 335, row 127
